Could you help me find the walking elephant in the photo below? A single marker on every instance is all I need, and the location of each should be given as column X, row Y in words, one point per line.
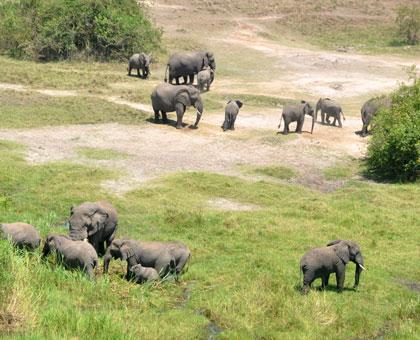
column 22, row 235
column 205, row 78
column 321, row 262
column 231, row 112
column 162, row 256
column 329, row 108
column 96, row 222
column 187, row 64
column 140, row 61
column 296, row 113
column 72, row 254
column 370, row 108
column 169, row 98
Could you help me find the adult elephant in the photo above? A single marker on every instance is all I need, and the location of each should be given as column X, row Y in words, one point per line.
column 296, row 113
column 170, row 98
column 370, row 108
column 188, row 64
column 95, row 222
column 331, row 109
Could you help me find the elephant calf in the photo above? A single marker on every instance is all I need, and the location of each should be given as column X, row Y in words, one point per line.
column 22, row 235
column 296, row 113
column 329, row 108
column 142, row 274
column 231, row 112
column 205, row 78
column 162, row 256
column 321, row 262
column 139, row 61
column 73, row 254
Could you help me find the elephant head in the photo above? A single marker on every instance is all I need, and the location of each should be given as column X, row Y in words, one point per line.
column 190, row 96
column 52, row 242
column 349, row 251
column 86, row 220
column 211, row 61
column 308, row 110
column 118, row 249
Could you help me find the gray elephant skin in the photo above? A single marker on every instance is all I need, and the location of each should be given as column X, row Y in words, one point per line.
column 139, row 61
column 205, row 78
column 169, row 98
column 72, row 254
column 321, row 262
column 329, row 108
column 162, row 256
column 231, row 112
column 369, row 110
column 140, row 274
column 94, row 221
column 22, row 235
column 296, row 113
column 187, row 64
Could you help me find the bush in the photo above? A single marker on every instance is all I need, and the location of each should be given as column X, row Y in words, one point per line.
column 408, row 22
column 64, row 29
column 394, row 150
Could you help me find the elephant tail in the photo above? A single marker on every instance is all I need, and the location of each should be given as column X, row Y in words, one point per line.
column 281, row 117
column 166, row 73
column 344, row 118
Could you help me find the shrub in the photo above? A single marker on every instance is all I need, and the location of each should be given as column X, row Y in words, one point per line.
column 394, row 150
column 408, row 22
column 63, row 29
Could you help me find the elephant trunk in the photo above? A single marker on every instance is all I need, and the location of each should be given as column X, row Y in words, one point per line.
column 314, row 114
column 46, row 250
column 107, row 260
column 200, row 108
column 359, row 268
column 77, row 233
column 166, row 73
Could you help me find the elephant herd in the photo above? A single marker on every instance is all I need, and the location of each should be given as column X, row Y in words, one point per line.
column 92, row 229
column 167, row 97
column 94, row 225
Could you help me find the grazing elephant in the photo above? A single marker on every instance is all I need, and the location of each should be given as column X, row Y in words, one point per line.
column 140, row 62
column 321, row 262
column 370, row 108
column 330, row 108
column 142, row 274
column 162, row 256
column 188, row 64
column 96, row 222
column 231, row 112
column 205, row 78
column 73, row 254
column 170, row 98
column 296, row 113
column 22, row 235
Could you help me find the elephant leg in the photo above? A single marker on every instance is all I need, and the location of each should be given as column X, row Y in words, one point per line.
column 101, row 248
column 156, row 116
column 299, row 125
column 164, row 117
column 177, row 80
column 129, row 71
column 138, row 73
column 185, row 79
column 340, row 276
column 232, row 124
column 323, row 117
column 180, row 109
column 286, row 126
column 90, row 272
column 339, row 122
column 225, row 125
column 325, row 279
column 171, row 79
column 191, row 76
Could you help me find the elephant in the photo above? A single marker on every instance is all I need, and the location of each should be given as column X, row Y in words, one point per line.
column 96, row 222
column 205, row 78
column 370, row 108
column 187, row 64
column 22, row 235
column 321, row 262
column 140, row 61
column 330, row 108
column 231, row 112
column 296, row 113
column 165, row 257
column 73, row 254
column 142, row 274
column 169, row 98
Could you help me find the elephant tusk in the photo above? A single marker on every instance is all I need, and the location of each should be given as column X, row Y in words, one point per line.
column 361, row 266
column 85, row 240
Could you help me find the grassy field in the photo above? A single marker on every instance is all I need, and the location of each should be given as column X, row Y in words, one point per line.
column 245, row 288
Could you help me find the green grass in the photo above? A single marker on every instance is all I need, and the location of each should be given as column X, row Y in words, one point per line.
column 29, row 109
column 342, row 171
column 279, row 172
column 244, row 274
column 101, row 154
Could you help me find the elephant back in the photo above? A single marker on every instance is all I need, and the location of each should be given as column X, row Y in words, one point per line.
column 134, row 60
column 186, row 63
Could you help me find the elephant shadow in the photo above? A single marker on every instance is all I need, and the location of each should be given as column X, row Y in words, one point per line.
column 136, row 76
column 318, row 288
column 169, row 122
column 359, row 133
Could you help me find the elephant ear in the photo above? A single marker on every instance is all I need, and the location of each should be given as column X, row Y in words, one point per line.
column 342, row 251
column 99, row 217
column 331, row 243
column 183, row 97
column 126, row 252
column 239, row 103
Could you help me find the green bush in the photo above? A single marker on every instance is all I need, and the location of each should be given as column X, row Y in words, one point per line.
column 408, row 22
column 394, row 149
column 64, row 29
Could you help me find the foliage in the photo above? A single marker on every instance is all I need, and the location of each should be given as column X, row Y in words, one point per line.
column 408, row 22
column 65, row 29
column 394, row 149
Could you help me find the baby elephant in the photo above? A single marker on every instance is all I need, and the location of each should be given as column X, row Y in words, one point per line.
column 22, row 235
column 142, row 274
column 231, row 112
column 321, row 262
column 296, row 113
column 73, row 254
column 205, row 78
column 139, row 62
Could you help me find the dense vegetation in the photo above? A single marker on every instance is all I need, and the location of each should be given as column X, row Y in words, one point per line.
column 394, row 151
column 63, row 29
column 408, row 21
